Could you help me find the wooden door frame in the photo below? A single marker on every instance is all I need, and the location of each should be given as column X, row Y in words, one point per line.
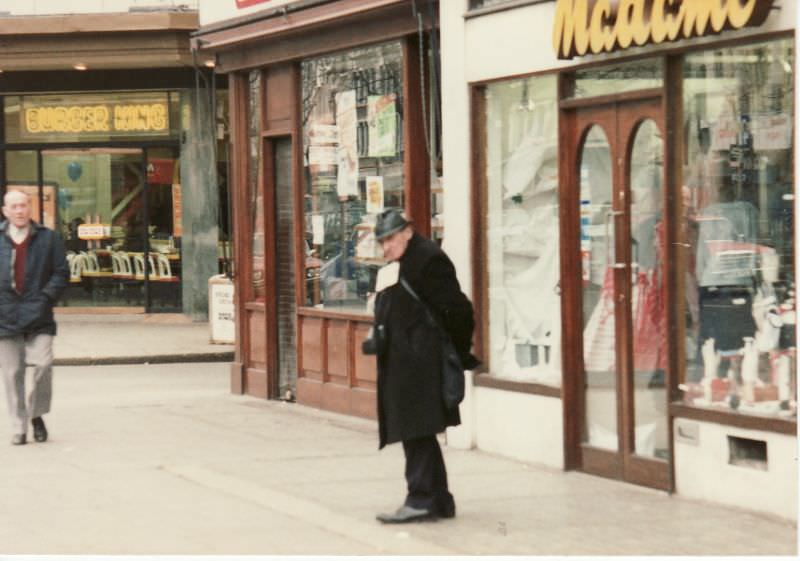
column 577, row 118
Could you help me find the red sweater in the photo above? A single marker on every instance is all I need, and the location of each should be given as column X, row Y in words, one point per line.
column 20, row 255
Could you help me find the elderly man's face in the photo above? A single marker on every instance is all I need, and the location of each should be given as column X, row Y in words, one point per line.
column 17, row 208
column 395, row 245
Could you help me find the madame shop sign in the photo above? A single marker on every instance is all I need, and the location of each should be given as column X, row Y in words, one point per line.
column 596, row 26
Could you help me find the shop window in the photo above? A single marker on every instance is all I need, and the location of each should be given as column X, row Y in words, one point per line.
column 738, row 229
column 522, row 230
column 353, row 158
column 617, row 78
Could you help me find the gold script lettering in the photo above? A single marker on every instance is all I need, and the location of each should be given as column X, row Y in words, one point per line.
column 601, row 35
column 583, row 25
column 570, row 34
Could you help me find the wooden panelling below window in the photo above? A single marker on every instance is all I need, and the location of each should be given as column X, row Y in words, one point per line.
column 311, row 344
column 258, row 339
column 337, row 345
column 364, row 369
column 237, row 378
column 255, row 382
column 335, row 375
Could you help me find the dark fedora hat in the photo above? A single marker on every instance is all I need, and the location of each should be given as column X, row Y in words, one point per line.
column 389, row 221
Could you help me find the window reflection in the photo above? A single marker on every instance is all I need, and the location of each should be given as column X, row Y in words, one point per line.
column 353, row 153
column 739, row 228
column 522, row 236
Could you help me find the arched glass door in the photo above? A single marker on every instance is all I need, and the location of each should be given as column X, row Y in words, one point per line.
column 619, row 172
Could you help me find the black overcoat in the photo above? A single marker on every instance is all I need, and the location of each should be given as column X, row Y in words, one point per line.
column 46, row 277
column 409, row 364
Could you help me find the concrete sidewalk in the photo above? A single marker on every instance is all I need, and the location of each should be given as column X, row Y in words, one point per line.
column 85, row 339
column 162, row 459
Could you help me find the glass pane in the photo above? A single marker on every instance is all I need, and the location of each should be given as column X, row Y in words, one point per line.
column 257, row 264
column 738, row 200
column 597, row 254
column 648, row 310
column 285, row 249
column 522, row 236
column 353, row 151
column 98, row 204
column 165, row 228
column 22, row 175
column 624, row 77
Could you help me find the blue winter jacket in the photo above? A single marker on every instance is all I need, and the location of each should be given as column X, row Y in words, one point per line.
column 46, row 277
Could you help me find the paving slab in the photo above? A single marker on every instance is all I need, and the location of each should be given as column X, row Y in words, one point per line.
column 157, row 459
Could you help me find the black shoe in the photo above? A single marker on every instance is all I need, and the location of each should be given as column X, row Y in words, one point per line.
column 406, row 514
column 447, row 512
column 39, row 430
column 19, row 439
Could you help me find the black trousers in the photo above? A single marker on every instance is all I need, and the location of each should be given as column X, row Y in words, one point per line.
column 426, row 476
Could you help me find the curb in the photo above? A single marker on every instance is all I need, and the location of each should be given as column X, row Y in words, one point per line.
column 226, row 356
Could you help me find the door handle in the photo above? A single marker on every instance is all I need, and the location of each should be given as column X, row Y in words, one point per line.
column 618, row 265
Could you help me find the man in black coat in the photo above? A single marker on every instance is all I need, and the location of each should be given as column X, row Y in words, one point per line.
column 33, row 274
column 409, row 354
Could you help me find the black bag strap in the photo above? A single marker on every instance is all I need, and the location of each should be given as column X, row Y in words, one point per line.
column 428, row 311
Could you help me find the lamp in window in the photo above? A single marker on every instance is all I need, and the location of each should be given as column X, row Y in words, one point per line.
column 525, row 102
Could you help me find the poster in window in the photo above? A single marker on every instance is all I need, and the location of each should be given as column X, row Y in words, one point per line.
column 347, row 154
column 177, row 210
column 322, row 156
column 772, row 132
column 374, row 194
column 318, row 229
column 382, row 122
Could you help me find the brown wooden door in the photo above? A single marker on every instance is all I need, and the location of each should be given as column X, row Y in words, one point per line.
column 618, row 178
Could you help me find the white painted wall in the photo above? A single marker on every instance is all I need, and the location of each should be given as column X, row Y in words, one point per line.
column 519, row 41
column 64, row 7
column 529, row 427
column 522, row 426
column 702, row 471
column 456, row 141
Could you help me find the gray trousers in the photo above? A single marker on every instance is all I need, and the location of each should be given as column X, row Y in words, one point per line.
column 16, row 354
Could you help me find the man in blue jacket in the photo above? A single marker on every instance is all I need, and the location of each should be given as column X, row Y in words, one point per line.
column 33, row 274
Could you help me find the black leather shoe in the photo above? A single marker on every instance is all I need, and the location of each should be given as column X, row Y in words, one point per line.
column 39, row 430
column 447, row 512
column 19, row 439
column 406, row 514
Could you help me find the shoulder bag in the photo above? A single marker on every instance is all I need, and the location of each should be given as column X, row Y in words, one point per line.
column 452, row 369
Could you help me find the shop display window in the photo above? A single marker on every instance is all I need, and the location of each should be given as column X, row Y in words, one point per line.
column 522, row 230
column 353, row 161
column 618, row 78
column 738, row 229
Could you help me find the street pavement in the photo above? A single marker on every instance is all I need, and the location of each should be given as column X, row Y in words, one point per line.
column 120, row 338
column 156, row 459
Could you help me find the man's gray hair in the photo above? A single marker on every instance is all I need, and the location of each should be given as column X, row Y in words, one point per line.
column 11, row 194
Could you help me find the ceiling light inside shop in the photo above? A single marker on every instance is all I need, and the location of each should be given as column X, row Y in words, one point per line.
column 210, row 63
column 79, row 66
